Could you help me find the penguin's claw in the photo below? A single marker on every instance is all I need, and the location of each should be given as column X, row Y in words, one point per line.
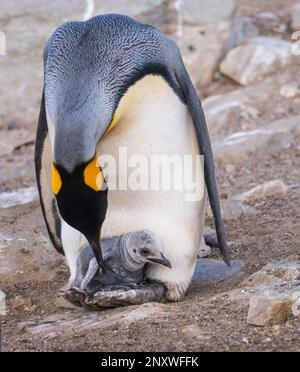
column 75, row 296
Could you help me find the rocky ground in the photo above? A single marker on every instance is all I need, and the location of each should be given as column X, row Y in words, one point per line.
column 252, row 104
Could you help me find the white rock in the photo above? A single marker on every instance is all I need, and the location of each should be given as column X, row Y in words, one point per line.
column 296, row 17
column 19, row 197
column 289, row 91
column 262, row 191
column 245, row 340
column 2, row 303
column 259, row 57
column 273, row 306
column 194, row 331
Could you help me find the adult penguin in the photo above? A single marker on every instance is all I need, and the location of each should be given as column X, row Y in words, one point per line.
column 112, row 82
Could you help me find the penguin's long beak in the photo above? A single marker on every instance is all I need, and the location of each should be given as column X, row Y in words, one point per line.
column 162, row 261
column 95, row 245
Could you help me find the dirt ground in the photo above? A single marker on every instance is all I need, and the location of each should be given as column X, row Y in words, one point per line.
column 37, row 272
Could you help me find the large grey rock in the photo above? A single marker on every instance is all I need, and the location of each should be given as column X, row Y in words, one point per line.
column 2, row 303
column 272, row 137
column 259, row 57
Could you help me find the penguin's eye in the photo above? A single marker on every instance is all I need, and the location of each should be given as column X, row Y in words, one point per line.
column 145, row 252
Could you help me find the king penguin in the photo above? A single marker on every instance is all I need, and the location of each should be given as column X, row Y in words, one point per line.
column 110, row 82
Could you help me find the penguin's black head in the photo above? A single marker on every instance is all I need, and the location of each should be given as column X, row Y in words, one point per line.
column 82, row 199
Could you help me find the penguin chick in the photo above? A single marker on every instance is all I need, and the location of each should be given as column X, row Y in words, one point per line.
column 125, row 256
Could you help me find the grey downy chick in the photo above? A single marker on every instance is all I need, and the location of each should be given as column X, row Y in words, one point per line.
column 126, row 256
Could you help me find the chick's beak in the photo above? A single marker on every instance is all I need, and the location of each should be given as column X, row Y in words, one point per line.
column 162, row 261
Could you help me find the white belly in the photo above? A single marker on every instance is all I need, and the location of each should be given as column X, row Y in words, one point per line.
column 153, row 121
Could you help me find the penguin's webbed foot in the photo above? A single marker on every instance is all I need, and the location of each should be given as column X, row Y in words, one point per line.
column 145, row 292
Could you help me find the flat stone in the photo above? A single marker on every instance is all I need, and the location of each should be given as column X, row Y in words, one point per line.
column 214, row 271
column 2, row 303
column 264, row 190
column 261, row 56
column 19, row 197
column 83, row 321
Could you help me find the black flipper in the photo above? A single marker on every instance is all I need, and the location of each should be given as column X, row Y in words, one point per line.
column 43, row 166
column 196, row 111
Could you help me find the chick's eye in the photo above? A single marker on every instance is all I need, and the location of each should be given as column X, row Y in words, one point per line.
column 145, row 252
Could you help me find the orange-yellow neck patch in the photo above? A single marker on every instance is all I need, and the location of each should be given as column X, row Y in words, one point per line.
column 92, row 175
column 113, row 123
column 56, row 180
